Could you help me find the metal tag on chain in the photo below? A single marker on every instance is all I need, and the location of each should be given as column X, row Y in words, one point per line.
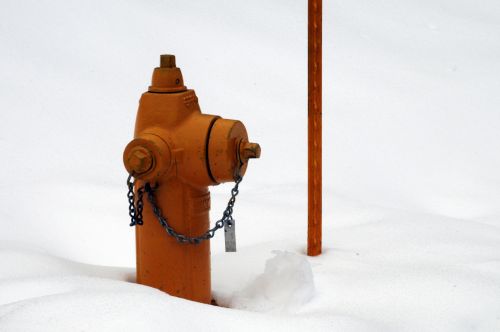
column 230, row 235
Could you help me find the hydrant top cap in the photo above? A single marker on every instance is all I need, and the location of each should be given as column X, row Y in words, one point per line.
column 167, row 78
column 167, row 61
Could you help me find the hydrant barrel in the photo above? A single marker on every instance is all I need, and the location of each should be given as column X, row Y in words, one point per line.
column 181, row 152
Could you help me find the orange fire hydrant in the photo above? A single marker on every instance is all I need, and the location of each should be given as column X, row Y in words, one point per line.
column 176, row 153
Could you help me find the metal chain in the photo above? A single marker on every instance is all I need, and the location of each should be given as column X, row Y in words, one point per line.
column 135, row 212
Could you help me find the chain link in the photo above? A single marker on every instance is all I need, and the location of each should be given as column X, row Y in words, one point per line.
column 135, row 211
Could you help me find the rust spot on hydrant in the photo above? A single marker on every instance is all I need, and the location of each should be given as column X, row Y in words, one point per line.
column 182, row 151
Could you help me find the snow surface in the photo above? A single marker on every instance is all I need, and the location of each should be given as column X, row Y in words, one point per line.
column 411, row 164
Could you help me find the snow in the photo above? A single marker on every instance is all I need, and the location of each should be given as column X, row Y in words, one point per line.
column 286, row 284
column 411, row 182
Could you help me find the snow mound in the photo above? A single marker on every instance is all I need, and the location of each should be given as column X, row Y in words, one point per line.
column 286, row 284
column 60, row 295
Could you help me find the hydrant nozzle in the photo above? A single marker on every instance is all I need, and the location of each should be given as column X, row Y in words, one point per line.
column 249, row 150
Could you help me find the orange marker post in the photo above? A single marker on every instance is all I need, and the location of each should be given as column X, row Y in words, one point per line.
column 314, row 127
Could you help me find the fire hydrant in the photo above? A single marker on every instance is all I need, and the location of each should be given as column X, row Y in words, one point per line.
column 176, row 153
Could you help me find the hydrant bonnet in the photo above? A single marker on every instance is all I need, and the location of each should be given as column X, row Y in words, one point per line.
column 167, row 77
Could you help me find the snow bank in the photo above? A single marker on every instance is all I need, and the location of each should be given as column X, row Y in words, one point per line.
column 58, row 295
column 384, row 270
column 286, row 284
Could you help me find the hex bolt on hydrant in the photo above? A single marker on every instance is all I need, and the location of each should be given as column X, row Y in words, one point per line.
column 176, row 153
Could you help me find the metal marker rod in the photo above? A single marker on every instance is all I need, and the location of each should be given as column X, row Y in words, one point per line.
column 314, row 70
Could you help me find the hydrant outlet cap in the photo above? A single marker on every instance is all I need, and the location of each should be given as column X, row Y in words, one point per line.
column 147, row 157
column 224, row 150
column 140, row 160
